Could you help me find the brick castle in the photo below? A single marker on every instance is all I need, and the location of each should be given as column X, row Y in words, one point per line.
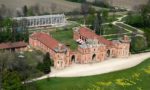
column 91, row 47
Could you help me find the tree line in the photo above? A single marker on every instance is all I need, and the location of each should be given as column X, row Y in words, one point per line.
column 14, row 70
column 12, row 30
column 140, row 19
column 93, row 17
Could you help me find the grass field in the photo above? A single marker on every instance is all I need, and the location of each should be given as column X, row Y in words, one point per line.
column 109, row 29
column 65, row 37
column 136, row 78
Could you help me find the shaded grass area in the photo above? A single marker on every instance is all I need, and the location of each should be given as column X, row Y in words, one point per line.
column 65, row 36
column 33, row 57
column 27, row 61
column 127, row 27
column 115, row 37
column 136, row 78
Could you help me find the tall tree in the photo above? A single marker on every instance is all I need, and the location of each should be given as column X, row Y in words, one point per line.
column 98, row 24
column 84, row 10
column 36, row 9
column 45, row 66
column 25, row 10
column 14, row 30
column 145, row 10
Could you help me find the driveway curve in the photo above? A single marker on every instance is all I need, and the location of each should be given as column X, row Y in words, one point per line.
column 111, row 65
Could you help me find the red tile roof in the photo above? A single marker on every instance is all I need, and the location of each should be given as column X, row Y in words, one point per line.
column 10, row 45
column 87, row 33
column 46, row 40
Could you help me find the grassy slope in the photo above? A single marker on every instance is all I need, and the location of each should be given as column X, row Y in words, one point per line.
column 136, row 78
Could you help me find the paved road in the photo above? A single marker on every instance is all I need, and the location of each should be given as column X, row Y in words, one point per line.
column 106, row 66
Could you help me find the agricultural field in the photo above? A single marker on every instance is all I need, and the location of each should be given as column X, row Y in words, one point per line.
column 61, row 5
column 136, row 78
column 128, row 4
column 58, row 6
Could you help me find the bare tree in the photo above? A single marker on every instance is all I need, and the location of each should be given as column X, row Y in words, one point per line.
column 3, row 10
column 18, row 13
column 53, row 7
column 36, row 9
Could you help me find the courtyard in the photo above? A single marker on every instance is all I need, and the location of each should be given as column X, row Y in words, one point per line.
column 66, row 37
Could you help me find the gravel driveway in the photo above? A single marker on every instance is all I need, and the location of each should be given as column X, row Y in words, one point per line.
column 106, row 66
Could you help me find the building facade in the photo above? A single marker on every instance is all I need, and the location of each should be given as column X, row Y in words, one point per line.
column 44, row 21
column 92, row 48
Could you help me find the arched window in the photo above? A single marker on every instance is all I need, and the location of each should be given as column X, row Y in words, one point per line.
column 94, row 57
column 80, row 37
column 108, row 53
column 73, row 58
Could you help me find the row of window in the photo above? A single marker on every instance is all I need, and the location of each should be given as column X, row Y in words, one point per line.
column 45, row 21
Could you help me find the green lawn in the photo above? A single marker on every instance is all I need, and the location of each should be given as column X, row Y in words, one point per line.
column 66, row 37
column 112, row 29
column 112, row 18
column 109, row 29
column 136, row 78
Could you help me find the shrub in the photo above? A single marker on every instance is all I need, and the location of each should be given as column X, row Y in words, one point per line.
column 138, row 43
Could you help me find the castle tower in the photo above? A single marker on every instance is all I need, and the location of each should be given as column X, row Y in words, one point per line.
column 125, row 39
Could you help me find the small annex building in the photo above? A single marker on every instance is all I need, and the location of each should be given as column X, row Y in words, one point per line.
column 58, row 52
column 14, row 46
column 91, row 47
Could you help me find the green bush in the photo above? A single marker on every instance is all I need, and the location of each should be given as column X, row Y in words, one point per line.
column 147, row 35
column 45, row 66
column 138, row 43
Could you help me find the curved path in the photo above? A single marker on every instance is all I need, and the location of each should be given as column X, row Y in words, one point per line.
column 106, row 66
